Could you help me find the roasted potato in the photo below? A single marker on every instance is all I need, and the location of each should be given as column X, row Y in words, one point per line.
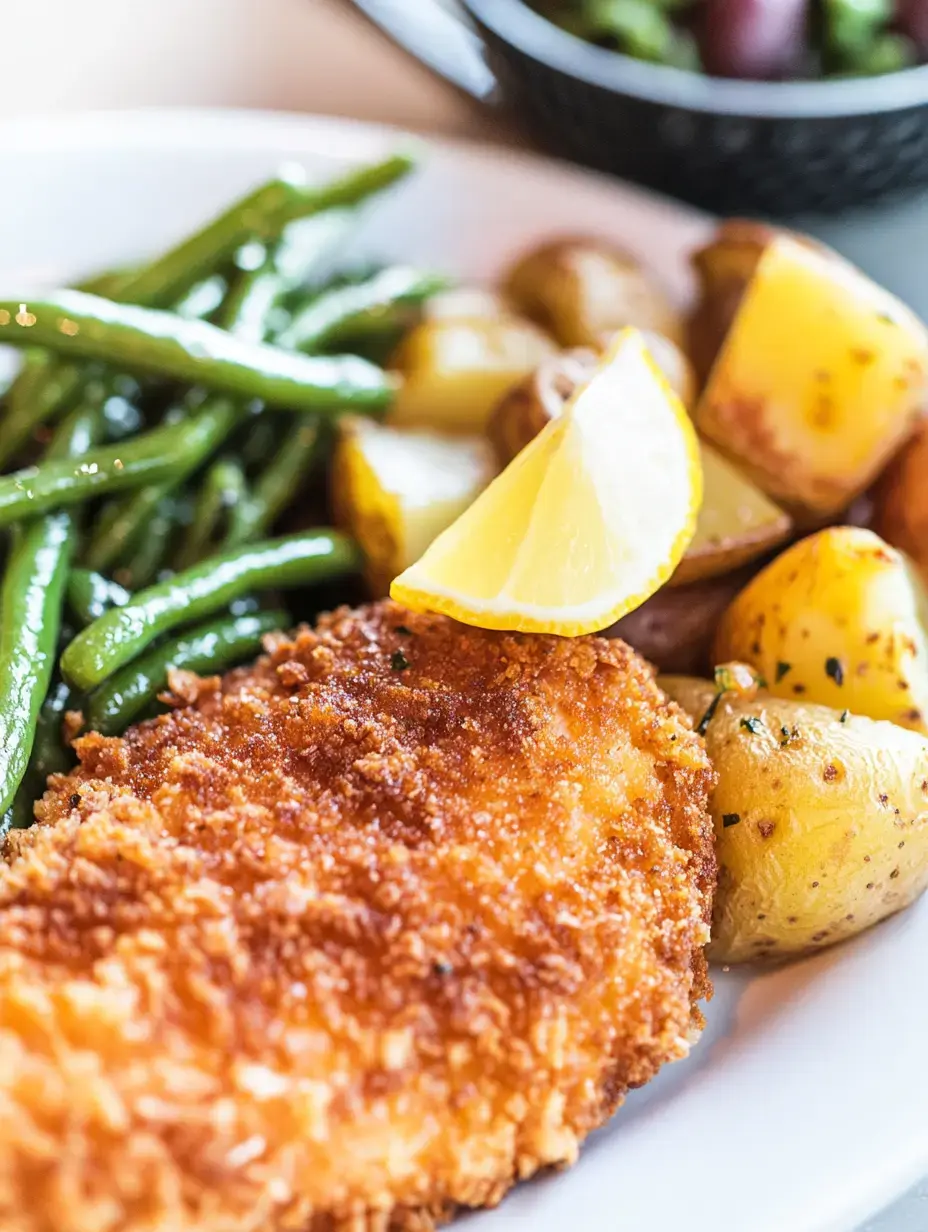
column 395, row 491
column 675, row 628
column 900, row 501
column 836, row 619
column 821, row 821
column 737, row 522
column 525, row 409
column 820, row 380
column 466, row 304
column 723, row 268
column 455, row 370
column 580, row 288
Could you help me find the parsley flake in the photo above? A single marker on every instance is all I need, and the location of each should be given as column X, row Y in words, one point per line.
column 403, row 631
column 753, row 725
column 730, row 819
column 398, row 661
column 782, row 669
column 845, row 715
column 835, row 670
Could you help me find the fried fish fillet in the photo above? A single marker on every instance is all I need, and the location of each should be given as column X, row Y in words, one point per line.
column 364, row 933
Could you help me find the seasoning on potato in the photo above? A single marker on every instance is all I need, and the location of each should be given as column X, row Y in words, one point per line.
column 395, row 491
column 455, row 369
column 836, row 619
column 821, row 821
column 578, row 289
column 820, row 379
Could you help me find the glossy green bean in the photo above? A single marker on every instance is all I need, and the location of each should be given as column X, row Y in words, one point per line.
column 50, row 754
column 123, row 633
column 343, row 313
column 119, row 524
column 210, row 647
column 91, row 594
column 148, row 553
column 150, row 458
column 263, row 213
column 255, row 514
column 224, row 489
column 141, row 339
column 41, row 389
column 31, row 602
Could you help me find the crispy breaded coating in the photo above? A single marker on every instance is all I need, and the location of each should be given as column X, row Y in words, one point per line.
column 367, row 932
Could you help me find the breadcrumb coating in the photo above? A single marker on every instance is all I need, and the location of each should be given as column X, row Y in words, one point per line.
column 366, row 932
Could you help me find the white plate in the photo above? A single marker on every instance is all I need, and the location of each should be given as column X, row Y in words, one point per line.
column 805, row 1106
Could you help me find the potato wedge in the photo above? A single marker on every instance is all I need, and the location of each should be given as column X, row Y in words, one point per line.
column 737, row 523
column 900, row 501
column 821, row 821
column 581, row 288
column 836, row 619
column 675, row 628
column 819, row 381
column 395, row 491
column 455, row 370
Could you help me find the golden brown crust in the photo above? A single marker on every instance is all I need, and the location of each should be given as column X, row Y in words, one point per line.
column 348, row 943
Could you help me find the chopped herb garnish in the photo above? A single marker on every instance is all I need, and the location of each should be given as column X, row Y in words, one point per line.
column 845, row 715
column 782, row 669
column 441, row 967
column 398, row 661
column 75, row 800
column 730, row 819
column 787, row 735
column 834, row 669
column 703, row 724
column 753, row 725
column 403, row 631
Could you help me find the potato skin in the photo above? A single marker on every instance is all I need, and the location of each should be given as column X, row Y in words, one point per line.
column 522, row 412
column 821, row 824
column 835, row 619
column 822, row 376
column 675, row 628
column 901, row 500
column 578, row 288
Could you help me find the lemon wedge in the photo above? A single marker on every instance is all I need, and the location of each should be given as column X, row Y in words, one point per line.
column 587, row 522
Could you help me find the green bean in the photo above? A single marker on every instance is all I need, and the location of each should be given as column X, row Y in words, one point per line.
column 263, row 213
column 119, row 524
column 43, row 387
column 91, row 594
column 210, row 647
column 638, row 26
column 31, row 602
column 142, row 339
column 148, row 551
column 149, row 458
column 123, row 633
column 223, row 488
column 255, row 514
column 368, row 307
column 203, row 299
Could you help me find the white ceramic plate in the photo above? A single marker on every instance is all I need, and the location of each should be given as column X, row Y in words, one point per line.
column 805, row 1106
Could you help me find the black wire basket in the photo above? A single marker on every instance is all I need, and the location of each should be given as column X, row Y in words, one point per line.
column 772, row 148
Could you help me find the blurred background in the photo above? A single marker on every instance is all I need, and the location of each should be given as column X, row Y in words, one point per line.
column 326, row 56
